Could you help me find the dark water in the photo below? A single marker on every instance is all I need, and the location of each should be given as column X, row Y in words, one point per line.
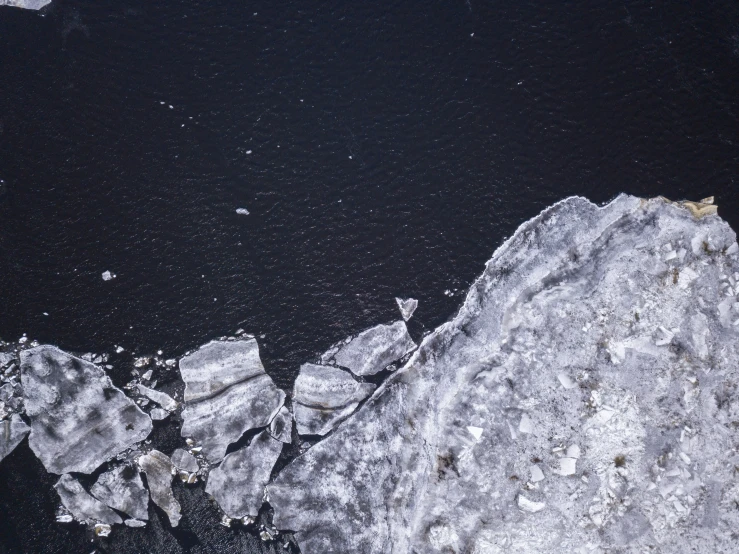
column 393, row 147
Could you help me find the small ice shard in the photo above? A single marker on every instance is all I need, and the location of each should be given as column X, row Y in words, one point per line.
column 135, row 523
column 529, row 505
column 407, row 307
column 566, row 381
column 159, row 469
column 281, row 426
column 526, row 425
column 107, row 275
column 161, row 398
column 536, row 474
column 242, row 211
column 238, row 483
column 475, row 432
column 148, row 375
column 665, row 337
column 157, row 414
column 79, row 419
column 64, row 518
column 182, row 459
column 12, row 432
column 227, row 392
column 122, row 489
column 26, row 4
column 83, row 507
column 567, row 466
column 617, row 352
column 374, row 349
column 324, row 396
column 102, row 529
column 573, row 451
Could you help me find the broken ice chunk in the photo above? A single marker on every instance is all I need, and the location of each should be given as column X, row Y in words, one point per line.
column 122, row 489
column 238, row 483
column 281, row 426
column 107, row 275
column 374, row 349
column 163, row 399
column 529, row 505
column 526, row 426
column 84, row 507
column 182, row 459
column 664, row 337
column 566, row 381
column 157, row 414
column 12, row 432
column 242, row 211
column 475, row 432
column 227, row 392
column 158, row 469
column 134, row 523
column 407, row 307
column 325, row 396
column 686, row 277
column 573, row 451
column 79, row 419
column 214, row 367
column 567, row 466
column 536, row 474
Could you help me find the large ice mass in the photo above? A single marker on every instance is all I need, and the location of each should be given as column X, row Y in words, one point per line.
column 227, row 393
column 79, row 419
column 583, row 399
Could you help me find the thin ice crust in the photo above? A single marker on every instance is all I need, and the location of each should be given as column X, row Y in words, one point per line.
column 581, row 400
column 79, row 419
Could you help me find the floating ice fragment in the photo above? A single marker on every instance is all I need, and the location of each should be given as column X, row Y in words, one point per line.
column 157, row 414
column 147, row 375
column 158, row 469
column 184, row 460
column 163, row 399
column 529, row 505
column 134, row 523
column 79, row 419
column 242, row 211
column 122, row 489
column 12, row 432
column 64, row 518
column 407, row 307
column 107, row 275
column 374, row 349
column 26, row 4
column 83, row 507
column 102, row 529
column 238, row 483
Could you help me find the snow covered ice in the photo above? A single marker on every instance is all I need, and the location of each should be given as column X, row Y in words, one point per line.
column 594, row 429
column 323, row 396
column 227, row 393
column 79, row 419
column 374, row 349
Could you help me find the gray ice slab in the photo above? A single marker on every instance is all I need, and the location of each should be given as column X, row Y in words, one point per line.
column 26, row 4
column 83, row 507
column 121, row 488
column 182, row 459
column 158, row 468
column 636, row 303
column 323, row 396
column 281, row 427
column 374, row 349
column 214, row 367
column 407, row 306
column 12, row 432
column 238, row 483
column 79, row 419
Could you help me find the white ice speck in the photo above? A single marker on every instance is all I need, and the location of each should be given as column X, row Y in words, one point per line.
column 107, row 275
column 242, row 211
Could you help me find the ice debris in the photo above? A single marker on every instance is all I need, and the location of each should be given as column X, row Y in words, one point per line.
column 161, row 398
column 407, row 307
column 242, row 211
column 238, row 483
column 374, row 349
column 185, row 461
column 227, row 393
column 12, row 432
column 122, row 489
column 83, row 507
column 79, row 419
column 629, row 446
column 108, row 276
column 159, row 470
column 323, row 396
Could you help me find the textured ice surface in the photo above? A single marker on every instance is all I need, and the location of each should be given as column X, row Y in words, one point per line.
column 158, row 469
column 238, row 483
column 374, row 349
column 78, row 418
column 323, row 396
column 27, row 4
column 281, row 427
column 12, row 432
column 121, row 488
column 583, row 399
column 407, row 307
column 227, row 393
column 83, row 507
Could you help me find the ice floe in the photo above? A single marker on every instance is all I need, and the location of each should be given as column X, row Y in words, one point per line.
column 374, row 349
column 83, row 507
column 238, row 483
column 159, row 470
column 27, row 4
column 407, row 307
column 12, row 432
column 323, row 396
column 121, row 488
column 79, row 419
